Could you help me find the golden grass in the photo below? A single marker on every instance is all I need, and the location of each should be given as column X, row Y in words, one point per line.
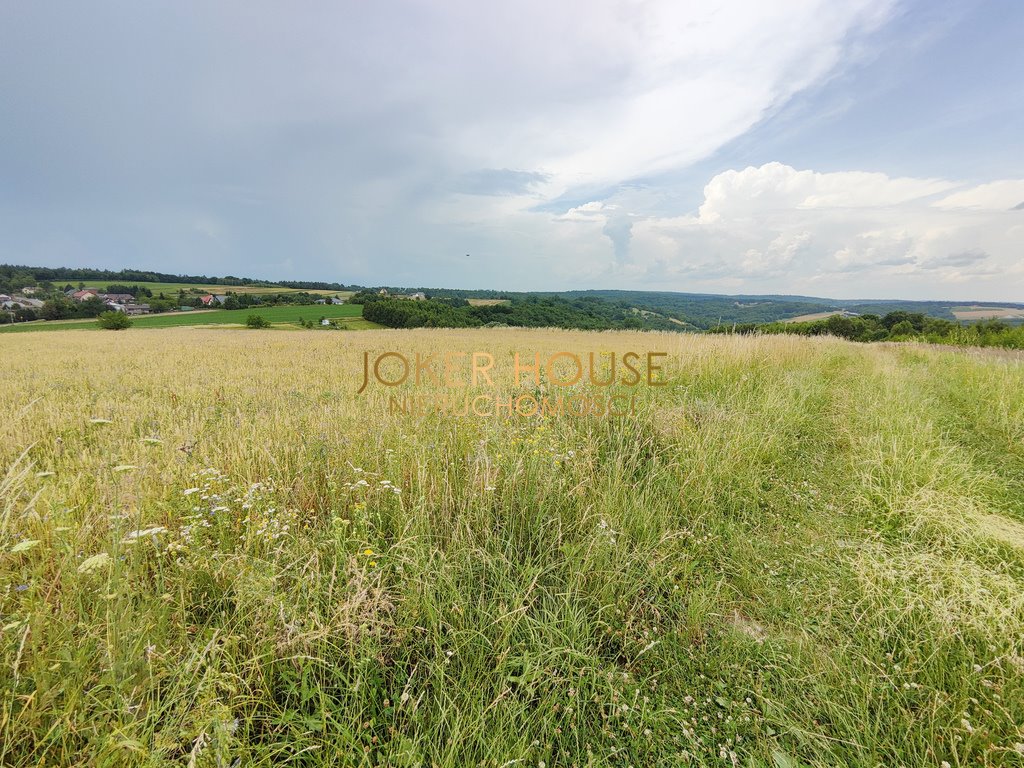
column 800, row 551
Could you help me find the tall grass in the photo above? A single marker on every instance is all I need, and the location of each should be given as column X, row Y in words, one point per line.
column 799, row 552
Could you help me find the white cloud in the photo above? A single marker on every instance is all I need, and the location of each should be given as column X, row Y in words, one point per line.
column 843, row 234
column 385, row 143
column 995, row 196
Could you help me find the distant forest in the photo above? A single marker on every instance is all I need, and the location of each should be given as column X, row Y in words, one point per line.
column 523, row 312
column 16, row 276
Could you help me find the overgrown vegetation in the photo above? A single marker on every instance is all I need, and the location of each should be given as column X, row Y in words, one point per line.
column 801, row 552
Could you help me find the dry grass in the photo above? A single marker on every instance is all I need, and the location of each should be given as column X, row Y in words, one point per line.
column 799, row 552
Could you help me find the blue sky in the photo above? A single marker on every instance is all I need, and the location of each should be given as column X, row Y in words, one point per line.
column 863, row 149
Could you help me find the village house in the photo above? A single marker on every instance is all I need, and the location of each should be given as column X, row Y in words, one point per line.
column 129, row 308
column 336, row 300
column 117, row 298
column 18, row 302
column 85, row 293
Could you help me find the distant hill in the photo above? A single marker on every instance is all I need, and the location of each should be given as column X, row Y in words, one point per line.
column 708, row 310
column 669, row 308
column 13, row 274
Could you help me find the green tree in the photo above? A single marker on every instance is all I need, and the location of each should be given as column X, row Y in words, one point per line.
column 902, row 328
column 57, row 309
column 257, row 321
column 114, row 321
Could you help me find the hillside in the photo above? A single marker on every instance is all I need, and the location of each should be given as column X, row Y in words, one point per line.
column 708, row 310
column 800, row 551
column 13, row 276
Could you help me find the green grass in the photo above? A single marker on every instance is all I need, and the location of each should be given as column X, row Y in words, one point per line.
column 801, row 552
column 173, row 288
column 287, row 314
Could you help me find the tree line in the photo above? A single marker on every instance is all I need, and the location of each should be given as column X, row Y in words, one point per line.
column 14, row 277
column 894, row 326
column 527, row 312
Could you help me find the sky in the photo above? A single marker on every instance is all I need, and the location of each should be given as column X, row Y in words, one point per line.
column 855, row 149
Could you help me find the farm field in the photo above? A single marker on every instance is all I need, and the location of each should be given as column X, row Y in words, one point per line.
column 987, row 313
column 487, row 302
column 812, row 316
column 170, row 288
column 286, row 315
column 798, row 552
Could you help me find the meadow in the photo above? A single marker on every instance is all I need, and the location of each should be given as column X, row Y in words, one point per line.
column 283, row 316
column 170, row 288
column 801, row 551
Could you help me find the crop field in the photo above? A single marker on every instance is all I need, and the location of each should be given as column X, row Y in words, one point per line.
column 797, row 552
column 987, row 313
column 487, row 302
column 173, row 288
column 283, row 316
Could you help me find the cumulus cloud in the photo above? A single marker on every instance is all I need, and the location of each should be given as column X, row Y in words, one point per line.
column 856, row 234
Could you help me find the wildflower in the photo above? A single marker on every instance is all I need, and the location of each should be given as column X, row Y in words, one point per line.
column 373, row 563
column 367, row 552
column 189, row 491
column 94, row 562
column 136, row 535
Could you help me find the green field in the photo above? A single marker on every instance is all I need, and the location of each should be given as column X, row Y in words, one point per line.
column 351, row 314
column 169, row 288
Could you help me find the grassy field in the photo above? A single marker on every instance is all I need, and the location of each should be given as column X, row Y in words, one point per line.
column 801, row 552
column 284, row 316
column 987, row 313
column 173, row 288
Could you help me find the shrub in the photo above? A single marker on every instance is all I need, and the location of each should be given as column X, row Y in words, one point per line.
column 114, row 321
column 257, row 321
